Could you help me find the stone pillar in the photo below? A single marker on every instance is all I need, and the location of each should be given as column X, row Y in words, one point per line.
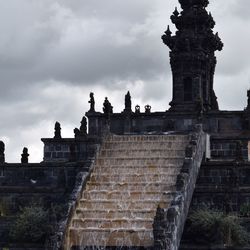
column 2, row 149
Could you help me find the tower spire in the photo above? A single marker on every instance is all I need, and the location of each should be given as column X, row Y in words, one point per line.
column 192, row 57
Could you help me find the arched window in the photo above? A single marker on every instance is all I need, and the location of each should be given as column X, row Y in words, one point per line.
column 188, row 89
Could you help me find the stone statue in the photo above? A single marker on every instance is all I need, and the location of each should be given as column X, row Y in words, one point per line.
column 77, row 132
column 57, row 131
column 83, row 128
column 107, row 107
column 137, row 109
column 92, row 102
column 128, row 102
column 2, row 149
column 147, row 109
column 25, row 156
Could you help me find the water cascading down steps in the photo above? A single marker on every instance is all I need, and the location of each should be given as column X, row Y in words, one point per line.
column 132, row 176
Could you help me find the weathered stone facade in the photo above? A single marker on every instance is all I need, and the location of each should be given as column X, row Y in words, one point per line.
column 25, row 184
column 223, row 176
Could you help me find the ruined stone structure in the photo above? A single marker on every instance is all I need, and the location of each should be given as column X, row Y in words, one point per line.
column 128, row 178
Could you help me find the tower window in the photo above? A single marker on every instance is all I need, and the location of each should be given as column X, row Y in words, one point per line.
column 188, row 89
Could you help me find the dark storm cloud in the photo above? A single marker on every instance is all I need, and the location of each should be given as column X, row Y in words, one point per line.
column 79, row 43
column 54, row 52
column 233, row 30
column 241, row 9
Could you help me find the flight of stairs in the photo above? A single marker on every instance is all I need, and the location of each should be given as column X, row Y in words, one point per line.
column 132, row 176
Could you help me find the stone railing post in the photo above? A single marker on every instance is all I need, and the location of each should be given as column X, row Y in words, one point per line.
column 169, row 223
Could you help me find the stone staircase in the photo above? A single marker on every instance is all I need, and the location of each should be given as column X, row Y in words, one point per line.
column 132, row 176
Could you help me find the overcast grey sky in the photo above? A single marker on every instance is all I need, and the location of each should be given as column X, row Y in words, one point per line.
column 54, row 52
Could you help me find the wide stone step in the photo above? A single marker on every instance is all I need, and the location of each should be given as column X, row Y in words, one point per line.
column 143, row 161
column 111, row 237
column 148, row 145
column 121, row 205
column 158, row 177
column 123, row 186
column 125, row 195
column 145, row 138
column 119, row 214
column 119, row 169
column 124, row 153
column 113, row 223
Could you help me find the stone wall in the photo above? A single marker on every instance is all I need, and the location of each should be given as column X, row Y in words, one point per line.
column 69, row 149
column 223, row 123
column 55, row 180
column 35, row 175
column 139, row 123
column 24, row 184
column 227, row 148
column 223, row 185
column 221, row 182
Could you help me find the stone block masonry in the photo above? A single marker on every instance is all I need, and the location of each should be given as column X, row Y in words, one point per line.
column 70, row 149
column 217, row 179
column 24, row 184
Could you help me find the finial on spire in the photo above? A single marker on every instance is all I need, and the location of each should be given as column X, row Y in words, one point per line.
column 176, row 12
column 107, row 107
column 168, row 31
column 167, row 39
column 218, row 44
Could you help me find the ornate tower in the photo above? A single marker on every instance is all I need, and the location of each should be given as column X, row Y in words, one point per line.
column 192, row 57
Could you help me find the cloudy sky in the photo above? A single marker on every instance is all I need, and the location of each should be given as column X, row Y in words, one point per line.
column 54, row 52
